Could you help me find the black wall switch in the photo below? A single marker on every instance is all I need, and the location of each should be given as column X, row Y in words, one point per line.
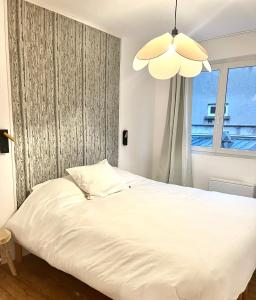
column 4, row 142
column 125, row 137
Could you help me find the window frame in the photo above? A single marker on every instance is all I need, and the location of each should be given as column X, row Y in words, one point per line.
column 223, row 67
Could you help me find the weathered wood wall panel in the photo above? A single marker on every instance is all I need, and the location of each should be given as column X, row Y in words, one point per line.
column 112, row 98
column 38, row 97
column 65, row 91
column 17, row 95
column 95, row 94
column 69, row 94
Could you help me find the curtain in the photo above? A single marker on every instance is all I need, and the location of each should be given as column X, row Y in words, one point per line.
column 175, row 164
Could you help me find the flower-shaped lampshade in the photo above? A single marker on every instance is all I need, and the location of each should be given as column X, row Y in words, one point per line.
column 167, row 56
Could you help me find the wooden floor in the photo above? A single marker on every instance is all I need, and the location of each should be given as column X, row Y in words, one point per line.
column 38, row 281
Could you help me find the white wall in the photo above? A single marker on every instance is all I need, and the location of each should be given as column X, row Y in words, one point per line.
column 136, row 113
column 7, row 203
column 205, row 165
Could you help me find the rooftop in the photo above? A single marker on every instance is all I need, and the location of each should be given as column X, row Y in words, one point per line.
column 241, row 143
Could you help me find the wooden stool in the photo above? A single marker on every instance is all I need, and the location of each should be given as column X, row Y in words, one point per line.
column 5, row 237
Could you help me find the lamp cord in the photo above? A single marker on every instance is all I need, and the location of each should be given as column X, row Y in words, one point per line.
column 175, row 30
column 176, row 5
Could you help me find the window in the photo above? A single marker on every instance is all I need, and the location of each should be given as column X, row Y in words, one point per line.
column 205, row 91
column 240, row 131
column 224, row 109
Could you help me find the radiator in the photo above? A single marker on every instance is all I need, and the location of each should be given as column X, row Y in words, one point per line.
column 232, row 187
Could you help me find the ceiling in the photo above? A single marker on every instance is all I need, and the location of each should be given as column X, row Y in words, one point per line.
column 202, row 19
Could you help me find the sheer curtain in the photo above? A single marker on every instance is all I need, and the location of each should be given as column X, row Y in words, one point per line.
column 176, row 162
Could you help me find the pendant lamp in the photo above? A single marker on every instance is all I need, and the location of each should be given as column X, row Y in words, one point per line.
column 171, row 54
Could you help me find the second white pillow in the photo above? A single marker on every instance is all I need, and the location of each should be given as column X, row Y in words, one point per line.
column 99, row 180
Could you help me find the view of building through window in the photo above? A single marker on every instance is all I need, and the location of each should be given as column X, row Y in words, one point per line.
column 239, row 130
column 239, row 121
column 204, row 97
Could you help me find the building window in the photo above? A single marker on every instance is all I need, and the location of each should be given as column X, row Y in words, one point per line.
column 212, row 110
column 224, row 109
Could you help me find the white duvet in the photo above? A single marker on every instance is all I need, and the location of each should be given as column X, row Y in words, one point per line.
column 151, row 242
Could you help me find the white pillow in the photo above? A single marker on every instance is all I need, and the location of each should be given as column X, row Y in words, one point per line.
column 97, row 180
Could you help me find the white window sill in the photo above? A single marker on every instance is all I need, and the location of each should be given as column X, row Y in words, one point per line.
column 225, row 152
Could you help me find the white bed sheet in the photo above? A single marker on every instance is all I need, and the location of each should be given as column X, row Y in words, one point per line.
column 151, row 242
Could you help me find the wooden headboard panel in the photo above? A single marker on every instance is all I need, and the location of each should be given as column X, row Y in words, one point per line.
column 65, row 94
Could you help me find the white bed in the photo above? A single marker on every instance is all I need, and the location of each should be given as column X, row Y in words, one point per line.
column 151, row 242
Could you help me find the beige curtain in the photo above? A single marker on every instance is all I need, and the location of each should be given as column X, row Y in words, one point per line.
column 175, row 162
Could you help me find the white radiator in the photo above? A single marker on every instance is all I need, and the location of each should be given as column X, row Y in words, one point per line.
column 232, row 187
